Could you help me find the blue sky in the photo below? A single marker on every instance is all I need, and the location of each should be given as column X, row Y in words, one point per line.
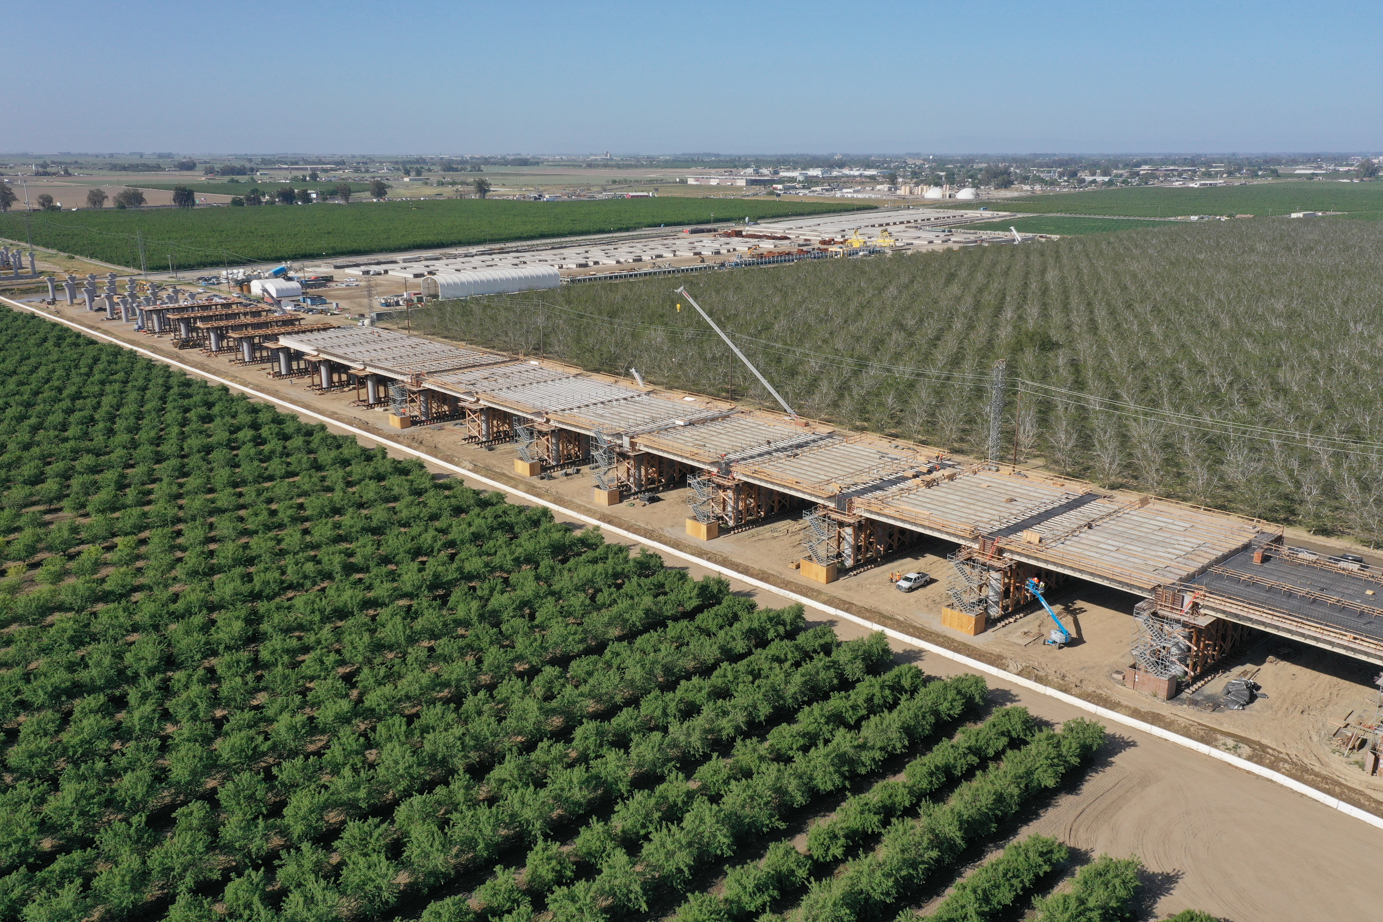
column 358, row 76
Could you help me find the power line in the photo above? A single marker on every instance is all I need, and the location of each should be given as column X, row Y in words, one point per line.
column 1105, row 405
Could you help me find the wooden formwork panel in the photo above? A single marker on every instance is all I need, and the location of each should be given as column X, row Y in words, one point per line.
column 703, row 531
column 960, row 621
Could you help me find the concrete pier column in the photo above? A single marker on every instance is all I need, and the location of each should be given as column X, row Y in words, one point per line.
column 70, row 286
column 371, row 389
column 33, row 264
column 425, row 405
column 215, row 340
column 285, row 362
column 126, row 308
column 131, row 286
column 247, row 351
column 52, row 290
column 184, row 329
column 324, row 373
column 90, row 296
column 139, row 317
column 485, row 424
column 110, row 307
column 158, row 323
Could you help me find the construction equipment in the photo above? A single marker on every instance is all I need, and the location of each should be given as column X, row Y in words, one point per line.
column 885, row 239
column 1060, row 637
column 1017, row 238
column 856, row 241
column 792, row 414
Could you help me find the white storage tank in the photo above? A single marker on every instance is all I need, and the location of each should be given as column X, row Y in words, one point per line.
column 490, row 282
column 935, row 193
column 967, row 195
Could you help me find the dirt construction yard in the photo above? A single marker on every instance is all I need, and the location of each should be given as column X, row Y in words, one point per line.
column 1213, row 837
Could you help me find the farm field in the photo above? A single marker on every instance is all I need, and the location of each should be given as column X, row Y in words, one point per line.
column 1050, row 224
column 1230, row 364
column 254, row 670
column 1361, row 200
column 213, row 236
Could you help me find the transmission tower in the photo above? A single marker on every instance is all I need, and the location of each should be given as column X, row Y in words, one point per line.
column 996, row 410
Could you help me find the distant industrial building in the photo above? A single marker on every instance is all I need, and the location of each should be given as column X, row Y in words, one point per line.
column 731, row 179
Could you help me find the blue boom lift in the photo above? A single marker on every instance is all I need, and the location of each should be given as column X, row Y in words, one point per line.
column 1059, row 637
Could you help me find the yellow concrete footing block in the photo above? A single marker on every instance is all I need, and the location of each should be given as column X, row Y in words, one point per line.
column 605, row 497
column 815, row 571
column 527, row 468
column 400, row 422
column 960, row 621
column 703, row 531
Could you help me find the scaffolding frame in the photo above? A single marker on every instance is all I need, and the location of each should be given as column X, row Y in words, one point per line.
column 526, row 442
column 981, row 581
column 967, row 583
column 1194, row 640
column 1161, row 644
column 604, row 460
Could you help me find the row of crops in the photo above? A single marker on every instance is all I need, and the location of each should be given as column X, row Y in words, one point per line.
column 1262, row 199
column 195, row 237
column 253, row 671
column 1228, row 364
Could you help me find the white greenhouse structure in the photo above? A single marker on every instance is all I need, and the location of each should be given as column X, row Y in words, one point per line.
column 489, row 282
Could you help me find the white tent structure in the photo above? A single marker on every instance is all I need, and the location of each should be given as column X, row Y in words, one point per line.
column 276, row 289
column 490, row 282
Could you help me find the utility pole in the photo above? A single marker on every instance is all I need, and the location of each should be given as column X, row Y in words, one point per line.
column 143, row 267
column 996, row 411
column 750, row 365
column 1017, row 423
column 28, row 234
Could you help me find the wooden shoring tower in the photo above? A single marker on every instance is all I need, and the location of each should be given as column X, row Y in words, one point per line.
column 731, row 502
column 487, row 426
column 643, row 472
column 563, row 447
column 851, row 540
column 428, row 407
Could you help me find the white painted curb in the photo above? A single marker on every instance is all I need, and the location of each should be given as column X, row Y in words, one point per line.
column 978, row 666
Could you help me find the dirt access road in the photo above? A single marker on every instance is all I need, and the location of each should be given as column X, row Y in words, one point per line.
column 1213, row 837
